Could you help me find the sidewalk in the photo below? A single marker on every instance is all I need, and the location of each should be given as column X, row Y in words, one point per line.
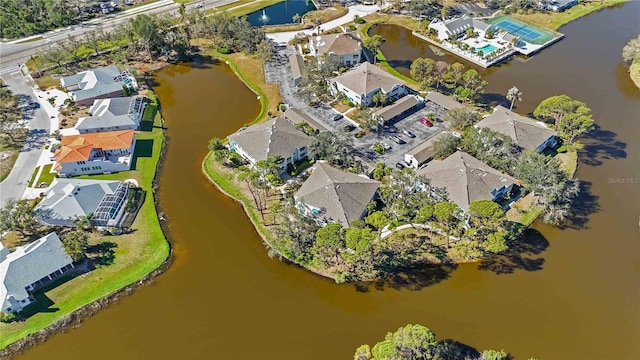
column 360, row 10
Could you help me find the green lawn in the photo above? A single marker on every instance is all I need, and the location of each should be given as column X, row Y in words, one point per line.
column 46, row 176
column 136, row 254
column 244, row 7
column 554, row 20
column 33, row 176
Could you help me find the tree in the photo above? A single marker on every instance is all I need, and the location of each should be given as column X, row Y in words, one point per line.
column 335, row 148
column 494, row 355
column 17, row 215
column 359, row 240
column 75, row 244
column 472, row 84
column 445, row 12
column 489, row 34
column 83, row 223
column 265, row 50
column 462, row 118
column 379, row 98
column 495, row 149
column 363, row 352
column 373, row 44
column 470, row 33
column 146, row 30
column 453, row 75
column 422, row 71
column 444, row 145
column 329, row 243
column 425, row 213
column 408, row 342
column 380, row 171
column 445, row 213
column 439, row 70
column 631, row 51
column 296, row 18
column 378, row 220
column 486, row 217
column 572, row 118
column 514, row 94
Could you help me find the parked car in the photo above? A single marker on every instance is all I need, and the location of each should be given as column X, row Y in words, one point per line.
column 199, row 6
column 397, row 139
column 426, row 122
column 409, row 133
column 386, row 146
column 399, row 166
column 349, row 128
column 337, row 117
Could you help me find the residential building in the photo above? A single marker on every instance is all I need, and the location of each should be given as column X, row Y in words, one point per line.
column 297, row 116
column 296, row 62
column 113, row 114
column 275, row 137
column 69, row 199
column 525, row 132
column 467, row 179
column 362, row 82
column 561, row 5
column 331, row 195
column 347, row 47
column 401, row 108
column 95, row 153
column 99, row 83
column 457, row 26
column 28, row 268
column 421, row 154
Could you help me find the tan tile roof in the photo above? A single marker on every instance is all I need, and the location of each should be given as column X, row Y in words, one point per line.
column 366, row 77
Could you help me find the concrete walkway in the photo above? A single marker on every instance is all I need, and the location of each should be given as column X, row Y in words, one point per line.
column 360, row 10
column 386, row 231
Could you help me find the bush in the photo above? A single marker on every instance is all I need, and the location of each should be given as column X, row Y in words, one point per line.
column 9, row 318
column 224, row 50
column 359, row 20
column 351, row 27
column 360, row 134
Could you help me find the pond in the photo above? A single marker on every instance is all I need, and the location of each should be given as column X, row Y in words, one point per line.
column 281, row 13
column 568, row 293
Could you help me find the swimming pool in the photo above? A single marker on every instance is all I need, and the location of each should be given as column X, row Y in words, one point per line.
column 487, row 49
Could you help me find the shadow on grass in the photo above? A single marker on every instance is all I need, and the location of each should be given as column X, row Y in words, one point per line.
column 42, row 303
column 102, row 254
column 523, row 255
column 144, row 148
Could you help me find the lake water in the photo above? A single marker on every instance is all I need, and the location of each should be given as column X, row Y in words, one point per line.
column 280, row 13
column 566, row 294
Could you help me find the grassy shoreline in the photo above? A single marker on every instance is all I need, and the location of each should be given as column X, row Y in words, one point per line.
column 555, row 20
column 634, row 73
column 137, row 254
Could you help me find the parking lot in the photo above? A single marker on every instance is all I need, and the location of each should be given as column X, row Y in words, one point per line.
column 278, row 71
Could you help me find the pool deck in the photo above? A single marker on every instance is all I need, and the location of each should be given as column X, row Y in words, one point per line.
column 468, row 55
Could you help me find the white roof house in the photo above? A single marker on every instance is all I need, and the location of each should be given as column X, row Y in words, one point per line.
column 113, row 114
column 98, row 83
column 69, row 199
column 29, row 267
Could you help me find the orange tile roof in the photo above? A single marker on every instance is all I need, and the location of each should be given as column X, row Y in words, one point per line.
column 78, row 147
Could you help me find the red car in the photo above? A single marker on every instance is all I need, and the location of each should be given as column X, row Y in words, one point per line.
column 426, row 122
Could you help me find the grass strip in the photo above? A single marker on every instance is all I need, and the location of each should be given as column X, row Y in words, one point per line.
column 136, row 254
column 554, row 20
column 46, row 176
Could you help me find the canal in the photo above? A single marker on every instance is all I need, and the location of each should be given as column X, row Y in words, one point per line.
column 567, row 293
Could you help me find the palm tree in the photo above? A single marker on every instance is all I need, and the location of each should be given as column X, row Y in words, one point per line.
column 296, row 18
column 514, row 94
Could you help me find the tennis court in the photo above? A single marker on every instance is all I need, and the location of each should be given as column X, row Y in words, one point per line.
column 524, row 31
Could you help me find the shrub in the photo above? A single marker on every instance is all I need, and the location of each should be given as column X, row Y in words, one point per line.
column 224, row 50
column 360, row 134
column 358, row 20
column 9, row 318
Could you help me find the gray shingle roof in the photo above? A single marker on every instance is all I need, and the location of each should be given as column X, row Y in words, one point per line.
column 343, row 196
column 296, row 116
column 445, row 101
column 366, row 77
column 526, row 132
column 113, row 112
column 397, row 108
column 275, row 137
column 339, row 44
column 465, row 178
column 67, row 199
column 28, row 264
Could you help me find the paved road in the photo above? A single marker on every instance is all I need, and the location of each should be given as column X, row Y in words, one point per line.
column 38, row 122
column 13, row 54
